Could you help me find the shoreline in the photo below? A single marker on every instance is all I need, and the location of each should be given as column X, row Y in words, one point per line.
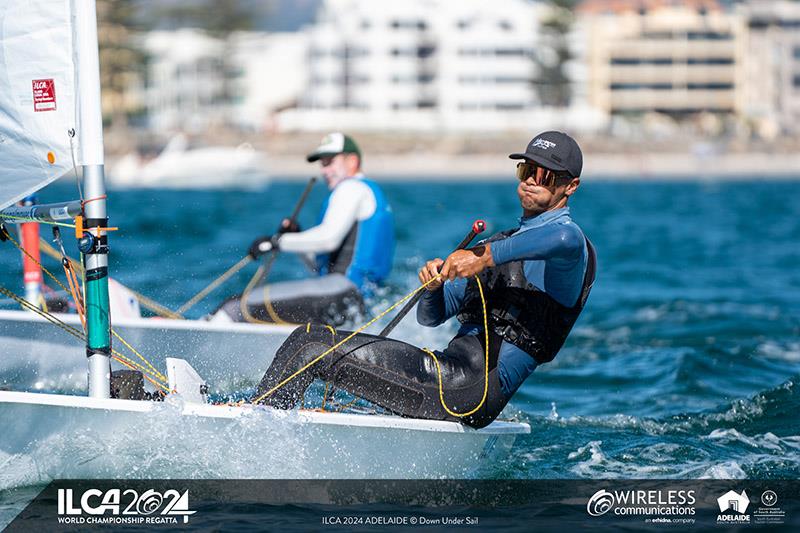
column 600, row 167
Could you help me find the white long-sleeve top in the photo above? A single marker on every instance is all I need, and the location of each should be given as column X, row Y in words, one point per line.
column 351, row 201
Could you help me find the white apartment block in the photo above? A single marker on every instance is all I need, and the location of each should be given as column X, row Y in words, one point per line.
column 422, row 65
column 270, row 76
column 196, row 82
column 672, row 57
column 468, row 65
column 184, row 80
column 771, row 82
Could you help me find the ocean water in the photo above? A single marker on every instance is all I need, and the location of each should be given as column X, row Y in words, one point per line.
column 684, row 363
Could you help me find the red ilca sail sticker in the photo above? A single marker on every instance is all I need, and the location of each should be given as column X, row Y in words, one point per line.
column 44, row 95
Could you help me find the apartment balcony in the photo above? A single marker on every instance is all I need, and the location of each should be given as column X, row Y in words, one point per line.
column 678, row 100
column 675, row 73
column 673, row 48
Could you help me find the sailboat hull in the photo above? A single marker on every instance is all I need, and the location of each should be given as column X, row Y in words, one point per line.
column 49, row 437
column 36, row 355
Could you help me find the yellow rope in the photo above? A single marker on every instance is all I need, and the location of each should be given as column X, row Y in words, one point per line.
column 79, row 334
column 62, row 324
column 325, row 396
column 214, row 284
column 47, row 316
column 148, row 303
column 257, row 277
column 435, row 359
column 273, row 314
column 485, row 368
column 140, row 356
column 24, row 251
column 353, row 334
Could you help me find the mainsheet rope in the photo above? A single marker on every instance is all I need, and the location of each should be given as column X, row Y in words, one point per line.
column 438, row 366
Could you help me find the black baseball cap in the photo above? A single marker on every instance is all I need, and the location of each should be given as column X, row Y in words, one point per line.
column 554, row 150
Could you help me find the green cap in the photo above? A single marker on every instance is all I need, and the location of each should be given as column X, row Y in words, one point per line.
column 333, row 144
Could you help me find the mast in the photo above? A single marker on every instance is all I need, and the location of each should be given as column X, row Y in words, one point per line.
column 90, row 157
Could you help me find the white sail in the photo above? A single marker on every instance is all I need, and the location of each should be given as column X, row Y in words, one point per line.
column 38, row 96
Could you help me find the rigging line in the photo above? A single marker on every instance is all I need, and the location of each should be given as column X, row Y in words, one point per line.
column 71, row 133
column 148, row 303
column 140, row 356
column 134, row 365
column 345, row 406
column 47, row 316
column 338, row 344
column 214, row 284
column 29, row 219
column 270, row 309
column 74, row 291
column 74, row 331
column 34, row 260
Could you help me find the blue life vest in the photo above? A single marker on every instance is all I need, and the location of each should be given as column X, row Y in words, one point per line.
column 367, row 251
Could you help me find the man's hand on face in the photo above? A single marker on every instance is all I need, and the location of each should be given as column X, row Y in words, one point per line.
column 430, row 271
column 467, row 263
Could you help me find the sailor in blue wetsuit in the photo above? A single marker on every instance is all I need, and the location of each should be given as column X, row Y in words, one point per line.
column 351, row 248
column 535, row 279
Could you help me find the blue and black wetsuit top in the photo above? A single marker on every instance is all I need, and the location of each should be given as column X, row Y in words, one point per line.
column 541, row 273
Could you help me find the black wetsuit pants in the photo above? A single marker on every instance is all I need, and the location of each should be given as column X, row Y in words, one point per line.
column 390, row 373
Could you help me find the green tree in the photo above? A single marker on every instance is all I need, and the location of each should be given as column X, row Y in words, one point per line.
column 553, row 52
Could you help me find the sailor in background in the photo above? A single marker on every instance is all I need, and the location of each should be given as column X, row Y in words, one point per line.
column 351, row 249
column 535, row 280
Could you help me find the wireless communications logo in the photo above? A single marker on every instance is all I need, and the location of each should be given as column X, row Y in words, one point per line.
column 660, row 505
column 600, row 503
column 116, row 506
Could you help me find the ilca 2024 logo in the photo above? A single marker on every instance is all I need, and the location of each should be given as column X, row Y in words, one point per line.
column 117, row 506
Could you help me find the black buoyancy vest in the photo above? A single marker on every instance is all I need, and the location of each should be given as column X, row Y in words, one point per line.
column 521, row 314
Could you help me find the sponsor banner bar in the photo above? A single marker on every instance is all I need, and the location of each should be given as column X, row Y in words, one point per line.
column 368, row 505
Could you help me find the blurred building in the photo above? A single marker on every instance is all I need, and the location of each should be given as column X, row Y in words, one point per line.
column 472, row 65
column 184, row 86
column 196, row 82
column 673, row 57
column 771, row 80
column 270, row 74
column 422, row 65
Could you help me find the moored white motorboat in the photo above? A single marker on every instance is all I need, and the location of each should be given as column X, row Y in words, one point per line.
column 184, row 167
